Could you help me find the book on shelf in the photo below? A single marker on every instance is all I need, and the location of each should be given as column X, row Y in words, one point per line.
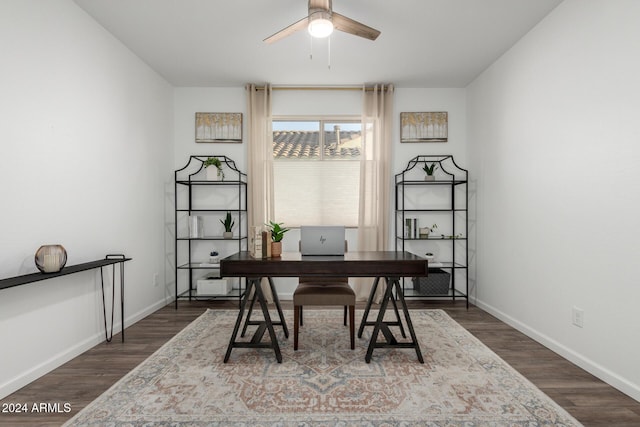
column 266, row 244
column 259, row 242
column 411, row 228
column 255, row 241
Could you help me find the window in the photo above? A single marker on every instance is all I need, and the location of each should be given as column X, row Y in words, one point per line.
column 317, row 171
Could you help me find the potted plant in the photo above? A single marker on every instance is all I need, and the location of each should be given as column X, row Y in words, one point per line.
column 429, row 169
column 213, row 174
column 228, row 226
column 277, row 233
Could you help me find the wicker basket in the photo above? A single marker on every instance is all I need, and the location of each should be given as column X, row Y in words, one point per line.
column 437, row 282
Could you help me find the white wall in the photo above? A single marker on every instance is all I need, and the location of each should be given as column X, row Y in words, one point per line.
column 452, row 101
column 188, row 101
column 553, row 141
column 86, row 147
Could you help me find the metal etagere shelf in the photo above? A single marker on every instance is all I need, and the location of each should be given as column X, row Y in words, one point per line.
column 212, row 199
column 419, row 204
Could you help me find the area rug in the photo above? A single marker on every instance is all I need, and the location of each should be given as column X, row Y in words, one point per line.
column 324, row 383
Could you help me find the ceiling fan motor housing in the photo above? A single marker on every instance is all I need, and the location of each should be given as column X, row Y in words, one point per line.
column 320, row 23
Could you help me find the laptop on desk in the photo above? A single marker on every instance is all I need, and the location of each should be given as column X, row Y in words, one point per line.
column 322, row 240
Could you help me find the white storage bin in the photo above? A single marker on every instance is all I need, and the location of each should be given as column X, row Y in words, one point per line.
column 208, row 287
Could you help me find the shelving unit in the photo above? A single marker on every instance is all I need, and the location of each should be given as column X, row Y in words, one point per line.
column 444, row 202
column 209, row 200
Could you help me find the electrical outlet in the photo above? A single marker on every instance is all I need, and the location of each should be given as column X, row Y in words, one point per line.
column 155, row 279
column 578, row 317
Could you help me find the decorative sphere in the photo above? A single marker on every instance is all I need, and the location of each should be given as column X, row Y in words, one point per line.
column 50, row 258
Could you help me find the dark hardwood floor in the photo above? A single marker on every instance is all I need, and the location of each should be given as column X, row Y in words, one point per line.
column 84, row 378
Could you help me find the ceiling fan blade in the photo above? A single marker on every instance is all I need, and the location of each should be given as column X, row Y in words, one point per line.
column 348, row 25
column 297, row 26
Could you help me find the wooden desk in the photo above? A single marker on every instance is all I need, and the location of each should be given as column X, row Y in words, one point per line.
column 389, row 265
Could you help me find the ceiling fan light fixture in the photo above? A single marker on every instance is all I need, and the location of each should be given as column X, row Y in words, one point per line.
column 320, row 25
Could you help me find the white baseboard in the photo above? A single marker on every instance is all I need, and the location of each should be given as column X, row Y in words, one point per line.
column 136, row 317
column 61, row 358
column 626, row 387
column 285, row 297
column 47, row 366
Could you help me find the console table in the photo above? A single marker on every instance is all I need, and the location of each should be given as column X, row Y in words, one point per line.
column 390, row 265
column 109, row 260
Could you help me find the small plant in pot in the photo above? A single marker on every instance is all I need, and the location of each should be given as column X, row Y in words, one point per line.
column 214, row 173
column 228, row 223
column 429, row 169
column 277, row 233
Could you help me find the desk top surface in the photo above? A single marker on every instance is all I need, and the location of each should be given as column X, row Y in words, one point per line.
column 352, row 264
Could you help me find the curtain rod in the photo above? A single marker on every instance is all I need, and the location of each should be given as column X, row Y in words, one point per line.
column 359, row 88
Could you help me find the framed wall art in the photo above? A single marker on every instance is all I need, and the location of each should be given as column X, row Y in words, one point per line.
column 424, row 127
column 218, row 127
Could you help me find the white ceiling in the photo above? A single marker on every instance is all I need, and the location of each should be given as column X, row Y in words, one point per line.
column 424, row 43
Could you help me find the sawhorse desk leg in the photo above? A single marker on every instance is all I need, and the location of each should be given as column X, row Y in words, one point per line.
column 367, row 308
column 266, row 325
column 382, row 326
column 276, row 301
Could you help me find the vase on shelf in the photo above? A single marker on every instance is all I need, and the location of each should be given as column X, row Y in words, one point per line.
column 214, row 174
column 276, row 249
column 50, row 258
column 196, row 227
column 228, row 234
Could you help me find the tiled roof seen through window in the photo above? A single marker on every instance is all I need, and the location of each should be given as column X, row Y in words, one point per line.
column 306, row 145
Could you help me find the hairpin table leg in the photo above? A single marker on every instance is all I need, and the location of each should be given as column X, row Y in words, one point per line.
column 109, row 333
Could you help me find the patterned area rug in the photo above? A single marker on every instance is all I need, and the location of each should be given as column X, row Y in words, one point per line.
column 324, row 383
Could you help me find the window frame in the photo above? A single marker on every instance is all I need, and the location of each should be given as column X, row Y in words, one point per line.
column 322, row 121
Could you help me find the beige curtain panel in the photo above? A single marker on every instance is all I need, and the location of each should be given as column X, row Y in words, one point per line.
column 375, row 178
column 260, row 160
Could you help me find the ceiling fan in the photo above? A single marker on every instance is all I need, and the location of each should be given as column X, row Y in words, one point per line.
column 322, row 20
